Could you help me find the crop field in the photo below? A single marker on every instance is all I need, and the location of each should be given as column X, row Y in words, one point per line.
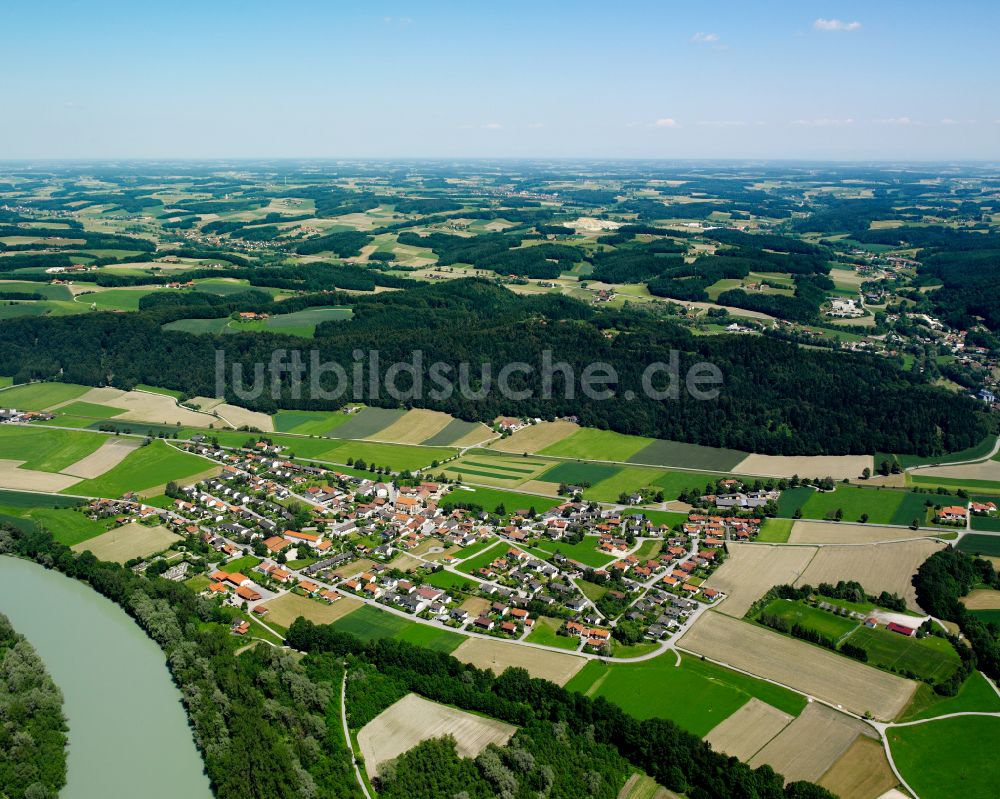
column 501, row 655
column 811, row 744
column 793, row 499
column 584, row 552
column 626, row 480
column 111, row 452
column 459, row 433
column 66, row 525
column 829, row 624
column 369, row 623
column 399, row 457
column 146, row 468
column 690, row 456
column 980, row 544
column 862, row 772
column 950, row 757
column 883, row 506
column 484, row 466
column 140, row 406
column 39, row 396
column 288, row 607
column 129, row 541
column 300, row 323
column 46, row 449
column 989, row 524
column 437, row 638
column 588, row 443
column 697, row 695
column 882, row 567
column 746, row 732
column 752, row 570
column 310, row 423
column 673, row 482
column 977, row 452
column 931, row 657
column 89, row 410
column 816, row 532
column 369, row 421
column 982, row 599
column 47, row 290
column 535, row 437
column 199, row 327
column 579, row 473
column 799, row 665
column 116, row 299
column 775, row 531
column 415, row 426
column 838, row 467
column 413, row 719
column 490, row 498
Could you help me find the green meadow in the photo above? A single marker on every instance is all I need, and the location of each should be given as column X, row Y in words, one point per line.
column 697, row 695
column 147, row 467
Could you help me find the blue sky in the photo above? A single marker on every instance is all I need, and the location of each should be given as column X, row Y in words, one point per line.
column 883, row 79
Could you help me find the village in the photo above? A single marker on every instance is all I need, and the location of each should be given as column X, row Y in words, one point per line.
column 268, row 526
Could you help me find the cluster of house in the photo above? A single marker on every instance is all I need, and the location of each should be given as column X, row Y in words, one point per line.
column 13, row 415
column 953, row 514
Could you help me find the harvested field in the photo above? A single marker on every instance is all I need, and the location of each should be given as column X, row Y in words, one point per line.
column 536, row 437
column 29, row 480
column 985, row 470
column 413, row 719
column 982, row 599
column 801, row 666
column 862, row 772
column 288, row 607
column 836, row 466
column 815, row 532
column 748, row 730
column 110, row 454
column 404, row 562
column 811, row 744
column 204, row 403
column 132, row 540
column 878, row 567
column 500, row 655
column 139, row 406
column 238, row 417
column 475, row 605
column 413, row 428
column 752, row 570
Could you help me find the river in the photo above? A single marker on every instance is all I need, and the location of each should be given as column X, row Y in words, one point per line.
column 128, row 734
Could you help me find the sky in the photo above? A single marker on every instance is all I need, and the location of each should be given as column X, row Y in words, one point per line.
column 744, row 79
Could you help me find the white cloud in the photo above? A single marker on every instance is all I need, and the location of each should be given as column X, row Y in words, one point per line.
column 823, row 122
column 724, row 123
column 949, row 121
column 536, row 125
column 836, row 25
column 667, row 122
column 492, row 126
column 705, row 38
column 895, row 121
column 402, row 22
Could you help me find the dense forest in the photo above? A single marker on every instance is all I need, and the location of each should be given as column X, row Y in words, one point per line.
column 942, row 581
column 32, row 724
column 775, row 397
column 552, row 721
column 264, row 728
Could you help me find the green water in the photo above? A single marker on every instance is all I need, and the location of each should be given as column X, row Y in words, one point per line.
column 128, row 734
